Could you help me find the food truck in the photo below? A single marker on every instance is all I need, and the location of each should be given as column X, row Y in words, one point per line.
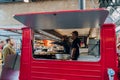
column 98, row 59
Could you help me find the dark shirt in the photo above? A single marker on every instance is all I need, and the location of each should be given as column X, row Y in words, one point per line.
column 76, row 45
column 66, row 46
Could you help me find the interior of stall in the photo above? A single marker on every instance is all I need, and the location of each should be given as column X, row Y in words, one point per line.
column 46, row 44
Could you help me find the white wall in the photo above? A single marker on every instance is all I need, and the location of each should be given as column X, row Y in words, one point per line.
column 7, row 10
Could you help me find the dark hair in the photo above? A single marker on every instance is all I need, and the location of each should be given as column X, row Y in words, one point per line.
column 7, row 40
column 75, row 32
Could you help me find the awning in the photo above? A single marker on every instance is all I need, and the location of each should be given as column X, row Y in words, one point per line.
column 63, row 19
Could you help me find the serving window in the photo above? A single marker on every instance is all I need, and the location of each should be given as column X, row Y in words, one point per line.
column 48, row 44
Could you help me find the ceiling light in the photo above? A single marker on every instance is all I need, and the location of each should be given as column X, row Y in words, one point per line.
column 26, row 1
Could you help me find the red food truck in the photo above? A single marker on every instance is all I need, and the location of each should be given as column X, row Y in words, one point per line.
column 48, row 62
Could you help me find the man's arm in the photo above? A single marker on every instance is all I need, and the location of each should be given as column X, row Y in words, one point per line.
column 12, row 51
column 5, row 53
column 73, row 52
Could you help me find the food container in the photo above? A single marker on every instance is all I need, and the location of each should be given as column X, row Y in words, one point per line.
column 62, row 56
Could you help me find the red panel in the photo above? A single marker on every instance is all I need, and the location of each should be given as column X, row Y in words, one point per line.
column 32, row 69
column 65, row 70
column 26, row 54
column 108, row 49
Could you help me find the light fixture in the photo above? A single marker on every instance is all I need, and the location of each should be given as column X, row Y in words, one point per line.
column 26, row 1
column 113, row 1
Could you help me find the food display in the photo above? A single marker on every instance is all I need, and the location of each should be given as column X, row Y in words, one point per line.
column 47, row 50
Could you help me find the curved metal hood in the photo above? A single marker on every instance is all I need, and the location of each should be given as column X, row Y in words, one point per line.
column 63, row 19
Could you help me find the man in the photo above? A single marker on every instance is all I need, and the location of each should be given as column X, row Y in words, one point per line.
column 1, row 48
column 1, row 45
column 8, row 49
column 75, row 46
column 118, row 50
column 65, row 43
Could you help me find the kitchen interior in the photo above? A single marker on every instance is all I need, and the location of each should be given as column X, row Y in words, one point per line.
column 44, row 47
